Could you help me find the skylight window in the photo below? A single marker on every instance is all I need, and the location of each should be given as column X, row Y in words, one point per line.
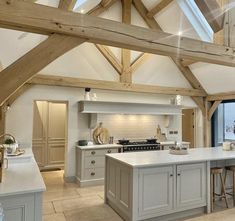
column 197, row 20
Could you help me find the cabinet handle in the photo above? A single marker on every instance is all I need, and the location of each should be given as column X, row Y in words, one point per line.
column 178, row 174
column 109, row 151
column 171, row 175
column 93, row 152
column 93, row 162
column 93, row 174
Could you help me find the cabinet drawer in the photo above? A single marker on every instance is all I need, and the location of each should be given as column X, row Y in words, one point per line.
column 94, row 161
column 94, row 173
column 100, row 152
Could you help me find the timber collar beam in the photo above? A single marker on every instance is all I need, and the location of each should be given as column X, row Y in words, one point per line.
column 50, row 80
column 47, row 20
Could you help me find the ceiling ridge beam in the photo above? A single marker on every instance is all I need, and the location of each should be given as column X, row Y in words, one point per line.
column 108, row 54
column 157, row 8
column 51, row 80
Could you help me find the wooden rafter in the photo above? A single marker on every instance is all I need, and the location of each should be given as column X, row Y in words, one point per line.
column 126, row 75
column 184, row 70
column 67, row 4
column 212, row 12
column 15, row 75
column 111, row 85
column 139, row 61
column 107, row 53
column 101, row 7
column 38, row 18
column 157, row 8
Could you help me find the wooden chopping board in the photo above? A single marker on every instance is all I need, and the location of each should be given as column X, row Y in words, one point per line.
column 101, row 135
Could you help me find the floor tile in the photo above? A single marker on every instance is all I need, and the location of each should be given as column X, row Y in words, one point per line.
column 88, row 191
column 77, row 203
column 54, row 217
column 94, row 213
column 48, row 208
column 63, row 194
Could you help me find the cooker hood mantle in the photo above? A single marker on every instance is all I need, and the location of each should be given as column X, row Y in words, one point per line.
column 106, row 107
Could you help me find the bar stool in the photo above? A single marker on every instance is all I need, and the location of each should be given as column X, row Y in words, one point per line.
column 232, row 169
column 214, row 172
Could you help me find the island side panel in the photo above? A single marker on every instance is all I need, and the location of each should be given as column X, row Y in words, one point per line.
column 119, row 187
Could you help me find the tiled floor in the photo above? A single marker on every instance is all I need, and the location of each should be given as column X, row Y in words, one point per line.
column 67, row 202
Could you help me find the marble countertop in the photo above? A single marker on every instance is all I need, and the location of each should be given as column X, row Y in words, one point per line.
column 22, row 176
column 101, row 146
column 163, row 157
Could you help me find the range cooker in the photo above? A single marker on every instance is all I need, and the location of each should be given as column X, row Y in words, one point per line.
column 136, row 146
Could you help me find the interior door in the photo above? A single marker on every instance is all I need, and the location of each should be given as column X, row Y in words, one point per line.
column 188, row 126
column 40, row 132
column 57, row 121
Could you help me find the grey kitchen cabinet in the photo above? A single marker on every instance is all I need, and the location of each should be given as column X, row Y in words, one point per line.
column 156, row 190
column 191, row 185
column 90, row 164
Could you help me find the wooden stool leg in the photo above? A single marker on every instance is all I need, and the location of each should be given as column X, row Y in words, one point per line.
column 233, row 188
column 212, row 192
column 214, row 177
column 223, row 188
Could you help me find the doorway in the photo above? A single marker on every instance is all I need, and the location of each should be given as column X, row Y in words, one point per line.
column 188, row 126
column 50, row 133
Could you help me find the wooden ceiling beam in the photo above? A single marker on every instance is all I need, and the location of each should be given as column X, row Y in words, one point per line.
column 43, row 19
column 108, row 54
column 111, row 85
column 126, row 75
column 213, row 108
column 139, row 61
column 221, row 96
column 67, row 5
column 213, row 13
column 101, row 7
column 15, row 75
column 157, row 8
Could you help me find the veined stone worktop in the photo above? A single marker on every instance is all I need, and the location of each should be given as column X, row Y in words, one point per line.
column 163, row 157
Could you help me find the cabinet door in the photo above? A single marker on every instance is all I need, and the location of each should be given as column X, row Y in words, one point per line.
column 156, row 187
column 40, row 132
column 191, row 185
column 56, row 132
column 19, row 208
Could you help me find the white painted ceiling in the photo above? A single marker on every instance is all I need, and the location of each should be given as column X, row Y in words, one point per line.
column 86, row 61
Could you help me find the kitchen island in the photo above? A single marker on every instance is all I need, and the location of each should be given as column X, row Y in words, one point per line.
column 22, row 188
column 160, row 186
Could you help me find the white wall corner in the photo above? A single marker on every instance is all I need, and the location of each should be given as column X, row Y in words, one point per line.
column 197, row 20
